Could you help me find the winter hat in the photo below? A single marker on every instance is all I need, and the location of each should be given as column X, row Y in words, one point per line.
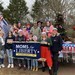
column 43, row 33
column 20, row 31
column 34, row 37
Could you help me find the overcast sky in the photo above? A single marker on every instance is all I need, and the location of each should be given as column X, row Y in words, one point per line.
column 29, row 3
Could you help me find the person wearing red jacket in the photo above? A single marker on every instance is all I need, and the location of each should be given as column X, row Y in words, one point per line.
column 48, row 28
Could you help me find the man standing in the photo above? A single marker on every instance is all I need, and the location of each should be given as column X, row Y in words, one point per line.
column 55, row 49
column 35, row 30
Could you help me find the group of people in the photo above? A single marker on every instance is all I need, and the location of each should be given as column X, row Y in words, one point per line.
column 49, row 38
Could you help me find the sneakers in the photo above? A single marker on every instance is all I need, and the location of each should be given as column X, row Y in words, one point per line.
column 10, row 66
column 2, row 65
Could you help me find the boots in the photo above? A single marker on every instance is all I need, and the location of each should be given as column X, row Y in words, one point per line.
column 33, row 68
column 24, row 67
column 19, row 66
column 43, row 69
column 36, row 68
column 55, row 73
column 50, row 72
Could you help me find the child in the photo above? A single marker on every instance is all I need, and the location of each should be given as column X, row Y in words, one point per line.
column 28, row 28
column 8, row 44
column 29, row 61
column 30, row 37
column 35, row 61
column 1, row 50
column 45, row 52
column 21, row 38
column 25, row 33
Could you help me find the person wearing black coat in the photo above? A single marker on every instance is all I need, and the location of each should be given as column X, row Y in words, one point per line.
column 21, row 38
column 55, row 49
column 9, row 48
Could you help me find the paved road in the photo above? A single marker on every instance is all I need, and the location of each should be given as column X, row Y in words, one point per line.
column 67, row 69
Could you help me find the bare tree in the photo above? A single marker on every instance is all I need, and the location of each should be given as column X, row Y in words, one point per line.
column 50, row 8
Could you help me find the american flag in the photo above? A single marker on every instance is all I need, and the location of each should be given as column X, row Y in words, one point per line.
column 4, row 25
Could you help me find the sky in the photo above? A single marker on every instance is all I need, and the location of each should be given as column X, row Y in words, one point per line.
column 29, row 3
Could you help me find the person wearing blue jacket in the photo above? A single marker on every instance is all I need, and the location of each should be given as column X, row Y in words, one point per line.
column 55, row 49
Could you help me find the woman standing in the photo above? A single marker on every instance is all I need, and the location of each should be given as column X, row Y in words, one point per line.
column 45, row 52
column 48, row 28
column 8, row 44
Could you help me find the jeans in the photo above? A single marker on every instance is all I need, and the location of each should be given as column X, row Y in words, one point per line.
column 1, row 56
column 29, row 63
column 35, row 62
column 10, row 56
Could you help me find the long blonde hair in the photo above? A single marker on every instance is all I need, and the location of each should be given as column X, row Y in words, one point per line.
column 45, row 35
column 2, row 33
